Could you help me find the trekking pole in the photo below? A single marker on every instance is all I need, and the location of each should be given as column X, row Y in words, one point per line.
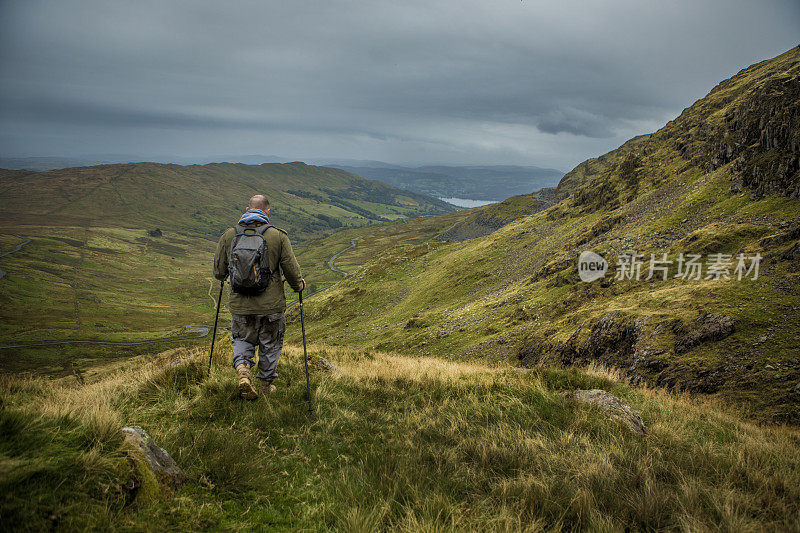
column 305, row 353
column 216, row 318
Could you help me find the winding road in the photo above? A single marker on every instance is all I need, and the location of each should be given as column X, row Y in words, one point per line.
column 25, row 241
column 333, row 268
column 336, row 255
column 194, row 331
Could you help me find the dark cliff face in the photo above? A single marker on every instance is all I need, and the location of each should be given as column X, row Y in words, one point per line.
column 752, row 121
column 762, row 138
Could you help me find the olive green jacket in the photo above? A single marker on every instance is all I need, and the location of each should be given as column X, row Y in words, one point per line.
column 280, row 252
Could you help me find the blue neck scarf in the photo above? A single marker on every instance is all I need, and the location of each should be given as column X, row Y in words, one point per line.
column 254, row 215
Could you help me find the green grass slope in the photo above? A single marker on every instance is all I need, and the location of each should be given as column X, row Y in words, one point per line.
column 720, row 179
column 96, row 269
column 370, row 242
column 101, row 283
column 397, row 443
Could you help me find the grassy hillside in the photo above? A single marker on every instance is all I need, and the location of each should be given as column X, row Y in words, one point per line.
column 103, row 283
column 720, row 179
column 370, row 241
column 492, row 217
column 95, row 267
column 400, row 443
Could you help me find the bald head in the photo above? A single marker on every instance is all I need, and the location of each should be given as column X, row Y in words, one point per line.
column 259, row 201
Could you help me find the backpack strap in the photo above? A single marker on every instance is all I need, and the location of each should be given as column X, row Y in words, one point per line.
column 260, row 230
column 263, row 228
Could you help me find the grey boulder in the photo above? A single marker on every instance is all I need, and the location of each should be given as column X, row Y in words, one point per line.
column 614, row 407
column 323, row 364
column 162, row 465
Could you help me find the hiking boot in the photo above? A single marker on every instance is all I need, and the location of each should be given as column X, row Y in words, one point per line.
column 265, row 387
column 246, row 389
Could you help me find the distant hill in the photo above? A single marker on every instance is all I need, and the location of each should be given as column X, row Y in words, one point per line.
column 307, row 200
column 47, row 163
column 473, row 182
column 55, row 163
column 492, row 183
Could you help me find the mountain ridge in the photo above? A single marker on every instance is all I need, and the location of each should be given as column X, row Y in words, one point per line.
column 206, row 197
column 514, row 292
column 45, row 163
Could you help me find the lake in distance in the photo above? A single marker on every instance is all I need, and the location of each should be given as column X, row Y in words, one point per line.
column 467, row 203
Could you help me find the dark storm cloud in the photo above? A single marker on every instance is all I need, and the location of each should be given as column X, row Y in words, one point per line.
column 451, row 81
column 91, row 114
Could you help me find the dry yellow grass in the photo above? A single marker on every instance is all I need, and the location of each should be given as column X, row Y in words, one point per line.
column 418, row 443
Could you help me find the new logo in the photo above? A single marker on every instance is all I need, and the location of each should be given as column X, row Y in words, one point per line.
column 591, row 266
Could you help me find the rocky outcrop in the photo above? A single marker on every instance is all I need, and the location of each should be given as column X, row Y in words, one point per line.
column 159, row 461
column 643, row 348
column 774, row 242
column 601, row 227
column 609, row 339
column 761, row 136
column 707, row 327
column 778, row 239
column 792, row 254
column 616, row 408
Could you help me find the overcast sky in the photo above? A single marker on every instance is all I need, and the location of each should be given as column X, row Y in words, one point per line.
column 457, row 82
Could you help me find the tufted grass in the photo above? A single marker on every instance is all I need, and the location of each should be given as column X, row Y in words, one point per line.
column 397, row 443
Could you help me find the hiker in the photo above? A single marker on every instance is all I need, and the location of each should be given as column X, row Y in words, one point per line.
column 257, row 302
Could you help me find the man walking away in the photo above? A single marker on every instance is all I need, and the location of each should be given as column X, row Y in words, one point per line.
column 253, row 254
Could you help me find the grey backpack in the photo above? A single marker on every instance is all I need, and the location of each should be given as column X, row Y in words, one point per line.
column 248, row 265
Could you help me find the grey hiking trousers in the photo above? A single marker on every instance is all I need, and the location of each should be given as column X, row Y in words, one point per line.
column 264, row 331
